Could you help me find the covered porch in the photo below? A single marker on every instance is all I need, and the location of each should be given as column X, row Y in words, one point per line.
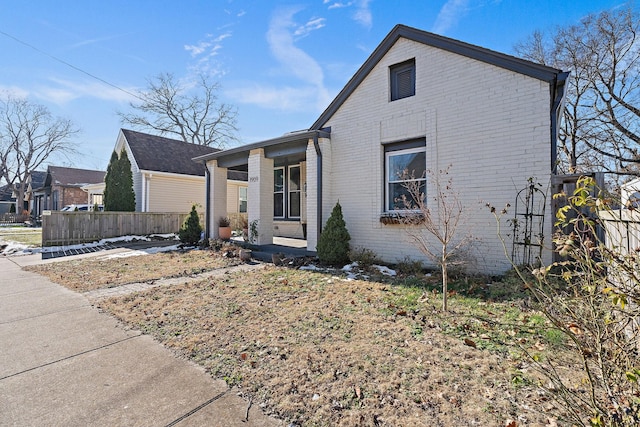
column 286, row 182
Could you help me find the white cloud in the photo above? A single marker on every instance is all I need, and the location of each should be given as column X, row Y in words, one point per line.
column 210, row 46
column 198, row 49
column 294, row 60
column 363, row 14
column 449, row 15
column 14, row 91
column 64, row 91
column 337, row 4
column 311, row 25
column 280, row 98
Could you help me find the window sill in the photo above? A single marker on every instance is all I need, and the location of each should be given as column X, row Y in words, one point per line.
column 388, row 218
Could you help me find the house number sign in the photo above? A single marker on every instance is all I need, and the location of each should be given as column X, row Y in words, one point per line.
column 254, row 179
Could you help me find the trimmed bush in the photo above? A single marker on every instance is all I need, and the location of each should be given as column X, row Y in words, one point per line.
column 333, row 244
column 191, row 229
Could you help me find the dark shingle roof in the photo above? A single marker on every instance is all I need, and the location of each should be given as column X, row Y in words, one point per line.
column 6, row 194
column 71, row 177
column 37, row 179
column 157, row 153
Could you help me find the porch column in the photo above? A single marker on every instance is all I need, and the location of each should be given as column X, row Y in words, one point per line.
column 318, row 188
column 217, row 196
column 260, row 196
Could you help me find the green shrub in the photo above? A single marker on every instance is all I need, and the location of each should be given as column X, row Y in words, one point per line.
column 364, row 257
column 191, row 229
column 333, row 244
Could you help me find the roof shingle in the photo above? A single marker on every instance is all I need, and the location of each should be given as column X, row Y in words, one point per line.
column 160, row 154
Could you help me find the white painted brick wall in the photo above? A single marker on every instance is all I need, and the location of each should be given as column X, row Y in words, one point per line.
column 490, row 124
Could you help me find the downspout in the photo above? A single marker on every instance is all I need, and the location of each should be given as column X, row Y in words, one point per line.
column 207, row 204
column 558, row 101
column 316, row 145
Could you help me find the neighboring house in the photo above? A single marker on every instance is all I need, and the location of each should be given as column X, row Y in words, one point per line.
column 9, row 194
column 6, row 199
column 630, row 194
column 95, row 193
column 165, row 179
column 420, row 101
column 63, row 186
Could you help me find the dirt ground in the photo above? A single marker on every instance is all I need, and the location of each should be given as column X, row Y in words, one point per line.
column 317, row 349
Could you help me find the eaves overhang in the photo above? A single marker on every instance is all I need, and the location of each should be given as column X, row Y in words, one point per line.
column 285, row 145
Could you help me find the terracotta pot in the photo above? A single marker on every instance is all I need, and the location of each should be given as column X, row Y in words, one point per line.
column 224, row 233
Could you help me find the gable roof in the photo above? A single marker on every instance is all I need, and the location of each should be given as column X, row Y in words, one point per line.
column 498, row 59
column 72, row 177
column 38, row 179
column 160, row 154
column 6, row 194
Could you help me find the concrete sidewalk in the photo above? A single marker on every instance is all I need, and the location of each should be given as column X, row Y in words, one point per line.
column 63, row 363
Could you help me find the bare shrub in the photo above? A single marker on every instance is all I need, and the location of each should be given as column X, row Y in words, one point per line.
column 592, row 297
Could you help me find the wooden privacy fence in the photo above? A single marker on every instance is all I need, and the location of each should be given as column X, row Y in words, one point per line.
column 70, row 228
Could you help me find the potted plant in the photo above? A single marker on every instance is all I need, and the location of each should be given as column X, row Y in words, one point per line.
column 224, row 228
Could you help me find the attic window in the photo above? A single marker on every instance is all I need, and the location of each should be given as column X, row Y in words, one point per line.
column 403, row 79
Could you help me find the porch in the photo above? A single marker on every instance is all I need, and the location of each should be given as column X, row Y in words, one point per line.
column 285, row 188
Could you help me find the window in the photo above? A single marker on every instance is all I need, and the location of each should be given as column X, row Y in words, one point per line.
column 294, row 191
column 278, row 193
column 405, row 169
column 54, row 200
column 403, row 79
column 242, row 199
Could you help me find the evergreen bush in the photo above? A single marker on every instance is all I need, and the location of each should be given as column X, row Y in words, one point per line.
column 333, row 244
column 191, row 229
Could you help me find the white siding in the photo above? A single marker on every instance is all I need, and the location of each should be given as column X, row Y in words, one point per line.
column 176, row 194
column 490, row 124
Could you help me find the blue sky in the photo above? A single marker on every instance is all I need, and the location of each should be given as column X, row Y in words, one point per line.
column 280, row 63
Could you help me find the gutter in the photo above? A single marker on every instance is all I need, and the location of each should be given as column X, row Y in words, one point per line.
column 207, row 202
column 319, row 184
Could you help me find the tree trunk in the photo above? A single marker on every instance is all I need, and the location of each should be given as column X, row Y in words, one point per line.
column 445, row 280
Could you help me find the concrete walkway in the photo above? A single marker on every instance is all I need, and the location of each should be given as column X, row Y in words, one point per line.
column 63, row 363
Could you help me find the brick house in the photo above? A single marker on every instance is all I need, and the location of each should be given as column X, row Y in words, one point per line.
column 421, row 100
column 62, row 187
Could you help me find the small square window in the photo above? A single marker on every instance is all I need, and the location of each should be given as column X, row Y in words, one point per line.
column 403, row 80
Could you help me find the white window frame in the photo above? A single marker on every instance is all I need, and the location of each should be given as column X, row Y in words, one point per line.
column 242, row 199
column 284, row 183
column 388, row 182
column 290, row 192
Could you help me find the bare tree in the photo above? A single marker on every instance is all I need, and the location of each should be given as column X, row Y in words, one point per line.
column 601, row 126
column 29, row 136
column 192, row 115
column 441, row 217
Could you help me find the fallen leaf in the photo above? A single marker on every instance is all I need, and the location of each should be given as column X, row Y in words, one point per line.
column 470, row 343
column 358, row 392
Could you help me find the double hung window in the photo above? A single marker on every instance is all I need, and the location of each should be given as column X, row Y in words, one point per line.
column 405, row 176
column 278, row 192
column 286, row 192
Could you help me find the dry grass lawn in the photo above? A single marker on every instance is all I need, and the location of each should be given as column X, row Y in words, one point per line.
column 316, row 349
column 99, row 272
